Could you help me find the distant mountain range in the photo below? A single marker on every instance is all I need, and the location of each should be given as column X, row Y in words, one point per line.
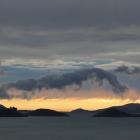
column 13, row 112
column 80, row 113
column 114, row 112
column 47, row 112
column 9, row 112
column 80, row 110
column 128, row 110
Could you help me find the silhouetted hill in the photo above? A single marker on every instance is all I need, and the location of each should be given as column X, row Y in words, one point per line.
column 130, row 108
column 9, row 112
column 2, row 107
column 80, row 113
column 80, row 110
column 112, row 112
column 47, row 112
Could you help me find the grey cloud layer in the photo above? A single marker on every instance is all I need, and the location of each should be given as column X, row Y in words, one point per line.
column 64, row 13
column 69, row 28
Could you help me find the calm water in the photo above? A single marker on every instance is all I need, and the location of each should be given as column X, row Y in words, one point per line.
column 69, row 128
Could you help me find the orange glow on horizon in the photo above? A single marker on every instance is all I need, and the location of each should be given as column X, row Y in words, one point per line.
column 65, row 104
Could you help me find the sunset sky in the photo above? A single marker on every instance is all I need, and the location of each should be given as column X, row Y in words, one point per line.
column 68, row 54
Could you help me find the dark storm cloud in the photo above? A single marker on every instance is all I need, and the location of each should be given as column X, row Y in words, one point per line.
column 128, row 70
column 61, row 82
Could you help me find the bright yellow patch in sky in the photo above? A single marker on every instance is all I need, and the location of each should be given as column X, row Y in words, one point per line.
column 65, row 104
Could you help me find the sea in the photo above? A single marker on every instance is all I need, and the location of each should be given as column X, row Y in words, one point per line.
column 69, row 128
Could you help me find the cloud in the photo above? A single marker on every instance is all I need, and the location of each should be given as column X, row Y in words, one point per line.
column 3, row 73
column 128, row 70
column 69, row 29
column 67, row 93
column 65, row 13
column 70, row 93
column 69, row 99
column 80, row 79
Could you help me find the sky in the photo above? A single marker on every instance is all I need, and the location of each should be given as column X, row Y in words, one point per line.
column 67, row 30
column 59, row 36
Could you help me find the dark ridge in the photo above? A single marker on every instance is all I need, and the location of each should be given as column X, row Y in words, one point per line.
column 114, row 112
column 10, row 112
column 2, row 107
column 79, row 110
column 47, row 112
column 132, row 108
column 111, row 112
column 80, row 113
